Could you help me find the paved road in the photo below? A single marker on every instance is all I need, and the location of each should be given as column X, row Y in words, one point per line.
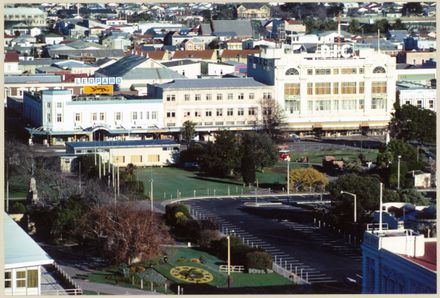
column 322, row 257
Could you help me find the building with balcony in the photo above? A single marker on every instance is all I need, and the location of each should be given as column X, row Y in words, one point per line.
column 327, row 90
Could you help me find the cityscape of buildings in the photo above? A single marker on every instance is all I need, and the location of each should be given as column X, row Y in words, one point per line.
column 122, row 82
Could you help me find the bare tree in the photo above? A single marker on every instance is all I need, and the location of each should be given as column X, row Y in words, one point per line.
column 272, row 118
column 124, row 233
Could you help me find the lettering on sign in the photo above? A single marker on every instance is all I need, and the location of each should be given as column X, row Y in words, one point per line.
column 336, row 51
column 98, row 81
column 99, row 89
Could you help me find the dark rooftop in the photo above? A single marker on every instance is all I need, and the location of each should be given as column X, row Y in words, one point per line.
column 132, row 143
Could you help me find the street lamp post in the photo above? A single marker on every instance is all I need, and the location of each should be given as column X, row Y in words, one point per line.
column 398, row 171
column 354, row 197
column 229, row 260
column 151, row 195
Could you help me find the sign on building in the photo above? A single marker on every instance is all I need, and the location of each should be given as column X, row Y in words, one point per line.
column 98, row 81
column 101, row 89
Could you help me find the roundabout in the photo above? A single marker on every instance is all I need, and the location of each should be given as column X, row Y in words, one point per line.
column 191, row 274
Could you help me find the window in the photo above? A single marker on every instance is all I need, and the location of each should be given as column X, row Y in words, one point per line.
column 292, row 72
column 186, row 114
column 252, row 111
column 197, row 97
column 310, row 105
column 20, row 279
column 336, row 105
column 322, row 105
column 323, row 71
column 101, row 116
column 241, row 96
column 230, row 112
column 379, row 69
column 153, row 158
column 309, row 88
column 59, row 117
column 361, row 70
column 310, row 72
column 335, row 88
column 251, row 96
column 377, row 103
column 407, row 102
column 77, row 117
column 361, row 88
column 431, row 104
column 32, row 278
column 154, row 115
column 379, row 87
column 322, row 88
column 147, row 115
column 361, row 104
column 267, row 95
column 267, row 111
column 219, row 112
column 349, row 104
column 118, row 116
column 240, row 111
column 59, row 105
column 336, row 71
column 134, row 115
column 198, row 113
column 291, row 90
column 292, row 106
column 208, row 113
column 187, row 97
column 118, row 159
column 49, row 118
column 219, row 96
column 171, row 114
column 136, row 158
column 419, row 103
column 171, row 97
column 208, row 96
column 48, row 105
column 8, row 279
column 348, row 70
column 230, row 96
column 348, row 88
column 94, row 116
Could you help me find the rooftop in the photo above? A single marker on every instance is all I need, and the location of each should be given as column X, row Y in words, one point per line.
column 406, row 85
column 27, row 79
column 122, row 66
column 20, row 249
column 429, row 259
column 212, row 83
column 112, row 144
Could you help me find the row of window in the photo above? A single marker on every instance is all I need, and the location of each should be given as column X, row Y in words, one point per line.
column 118, row 116
column 293, row 89
column 334, row 71
column 335, row 105
column 23, row 279
column 219, row 96
column 218, row 123
column 419, row 103
column 218, row 112
column 136, row 158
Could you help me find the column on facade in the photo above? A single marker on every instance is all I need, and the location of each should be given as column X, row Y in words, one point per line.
column 391, row 89
column 303, row 96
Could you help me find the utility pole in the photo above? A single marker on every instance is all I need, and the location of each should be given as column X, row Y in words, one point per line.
column 288, row 174
column 99, row 166
column 398, row 171
column 151, row 195
column 229, row 260
column 118, row 180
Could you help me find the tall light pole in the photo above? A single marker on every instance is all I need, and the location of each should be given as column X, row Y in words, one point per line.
column 151, row 195
column 354, row 197
column 229, row 260
column 288, row 174
column 398, row 171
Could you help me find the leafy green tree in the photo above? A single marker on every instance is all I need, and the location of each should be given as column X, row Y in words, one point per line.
column 188, row 131
column 409, row 122
column 248, row 160
column 265, row 150
column 411, row 195
column 354, row 26
column 221, row 158
column 383, row 25
column 398, row 25
column 193, row 153
column 366, row 189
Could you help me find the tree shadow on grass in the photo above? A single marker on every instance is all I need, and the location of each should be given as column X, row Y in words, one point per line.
column 200, row 176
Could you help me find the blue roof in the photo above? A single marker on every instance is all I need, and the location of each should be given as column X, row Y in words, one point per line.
column 18, row 79
column 135, row 143
column 212, row 83
column 122, row 66
column 20, row 249
column 56, row 92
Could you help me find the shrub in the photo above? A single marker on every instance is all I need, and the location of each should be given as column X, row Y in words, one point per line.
column 17, row 208
column 258, row 260
column 206, row 237
column 171, row 212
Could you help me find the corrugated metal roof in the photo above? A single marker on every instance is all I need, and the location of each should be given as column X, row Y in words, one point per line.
column 240, row 27
column 134, row 143
column 122, row 66
column 101, row 53
column 152, row 74
column 22, row 10
column 212, row 83
column 20, row 249
column 32, row 79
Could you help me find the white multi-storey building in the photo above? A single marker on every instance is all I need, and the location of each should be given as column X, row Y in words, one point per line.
column 332, row 93
column 212, row 103
column 57, row 114
column 418, row 95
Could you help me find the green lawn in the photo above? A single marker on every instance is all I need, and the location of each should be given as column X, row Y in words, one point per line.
column 171, row 182
column 258, row 280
